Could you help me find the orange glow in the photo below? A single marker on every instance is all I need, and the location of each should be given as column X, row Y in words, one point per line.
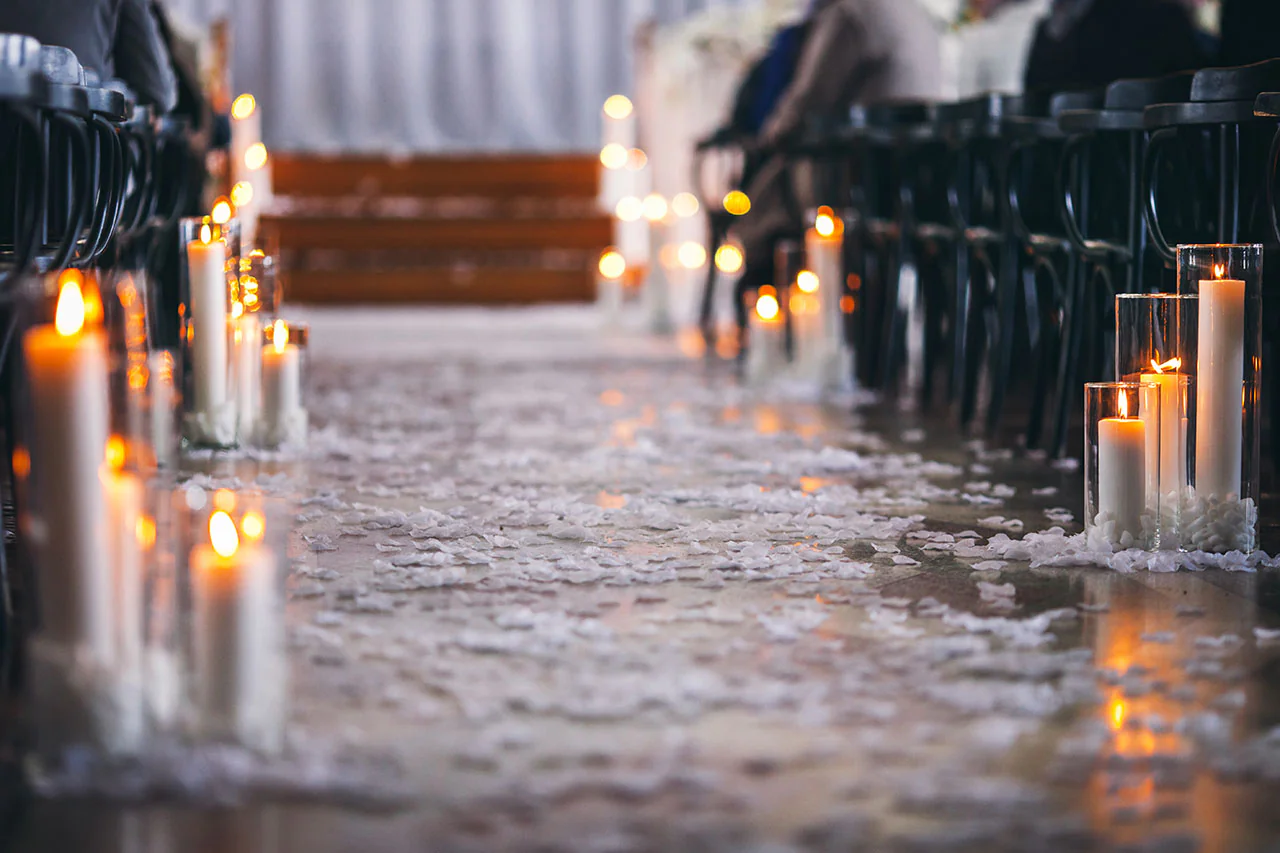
column 69, row 317
column 609, row 500
column 255, row 156
column 613, row 156
column 767, row 307
column 242, row 194
column 737, row 203
column 847, row 304
column 21, row 463
column 138, row 377
column 115, row 453
column 807, row 281
column 692, row 255
column 629, row 208
column 224, row 499
column 222, row 535
column 655, row 207
column 684, row 204
column 612, row 265
column 612, row 397
column 279, row 335
column 1172, row 364
column 1124, row 405
column 636, row 159
column 728, row 259
column 221, row 213
column 617, row 106
column 253, row 525
column 243, row 107
column 145, row 531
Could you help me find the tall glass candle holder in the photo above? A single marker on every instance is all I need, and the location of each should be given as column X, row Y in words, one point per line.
column 1122, row 500
column 234, row 561
column 210, row 417
column 1156, row 343
column 1221, row 513
column 81, row 501
column 283, row 422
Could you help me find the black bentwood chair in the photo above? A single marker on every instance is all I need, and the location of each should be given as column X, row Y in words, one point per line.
column 1219, row 147
column 1100, row 199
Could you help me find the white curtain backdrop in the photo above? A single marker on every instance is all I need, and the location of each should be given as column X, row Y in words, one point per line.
column 435, row 75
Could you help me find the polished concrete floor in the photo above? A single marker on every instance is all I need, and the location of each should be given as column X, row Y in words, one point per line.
column 558, row 589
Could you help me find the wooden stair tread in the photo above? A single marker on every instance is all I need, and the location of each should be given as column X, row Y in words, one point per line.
column 440, row 285
column 366, row 233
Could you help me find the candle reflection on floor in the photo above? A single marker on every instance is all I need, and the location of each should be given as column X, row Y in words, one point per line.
column 1147, row 781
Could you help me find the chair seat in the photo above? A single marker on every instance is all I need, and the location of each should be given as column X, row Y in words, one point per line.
column 1193, row 113
column 1139, row 93
column 19, row 51
column 109, row 104
column 18, row 84
column 1267, row 105
column 1243, row 83
column 60, row 65
column 67, row 99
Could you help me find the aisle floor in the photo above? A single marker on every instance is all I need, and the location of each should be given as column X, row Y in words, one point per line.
column 555, row 589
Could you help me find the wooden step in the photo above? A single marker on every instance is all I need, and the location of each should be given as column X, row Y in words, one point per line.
column 498, row 176
column 359, row 234
column 440, row 285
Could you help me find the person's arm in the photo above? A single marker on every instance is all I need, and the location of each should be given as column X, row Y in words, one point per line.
column 830, row 54
column 141, row 58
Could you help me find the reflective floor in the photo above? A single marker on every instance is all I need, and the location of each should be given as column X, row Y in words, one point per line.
column 555, row 589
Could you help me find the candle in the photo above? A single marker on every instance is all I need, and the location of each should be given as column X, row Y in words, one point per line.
column 206, row 264
column 281, row 387
column 766, row 342
column 824, row 256
column 126, row 535
column 1122, row 472
column 1220, row 387
column 1166, row 430
column 248, row 362
column 67, row 365
column 160, row 385
column 238, row 666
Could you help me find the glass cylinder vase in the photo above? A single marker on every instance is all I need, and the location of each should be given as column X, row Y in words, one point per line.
column 209, row 273
column 1156, row 343
column 1221, row 513
column 233, row 560
column 283, row 420
column 82, row 508
column 1122, row 494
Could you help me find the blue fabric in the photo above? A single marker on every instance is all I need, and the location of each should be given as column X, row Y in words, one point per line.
column 777, row 69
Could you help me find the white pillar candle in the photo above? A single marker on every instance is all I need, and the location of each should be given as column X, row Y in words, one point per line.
column 1122, row 474
column 823, row 255
column 248, row 361
column 766, row 341
column 162, row 402
column 125, row 500
column 1165, row 429
column 67, row 366
column 281, row 386
column 206, row 264
column 1220, row 388
column 238, row 664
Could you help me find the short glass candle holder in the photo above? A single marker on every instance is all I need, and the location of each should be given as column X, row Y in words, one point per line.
column 1122, row 497
column 209, row 268
column 1221, row 513
column 1156, row 343
column 283, row 419
column 232, row 566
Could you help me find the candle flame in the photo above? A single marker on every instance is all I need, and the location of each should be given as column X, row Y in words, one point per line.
column 1118, row 713
column 1219, row 270
column 1172, row 364
column 221, row 212
column 617, row 106
column 243, row 107
column 253, row 525
column 1124, row 405
column 807, row 281
column 237, row 308
column 145, row 531
column 222, row 534
column 69, row 317
column 279, row 335
column 824, row 225
column 767, row 306
column 206, row 236
column 115, row 453
column 255, row 156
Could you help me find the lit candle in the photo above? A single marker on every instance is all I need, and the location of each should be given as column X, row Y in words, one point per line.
column 1122, row 472
column 1166, row 430
column 67, row 365
column 162, row 401
column 248, row 362
column 238, row 657
column 766, row 341
column 206, row 262
column 283, row 416
column 824, row 256
column 1220, row 387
